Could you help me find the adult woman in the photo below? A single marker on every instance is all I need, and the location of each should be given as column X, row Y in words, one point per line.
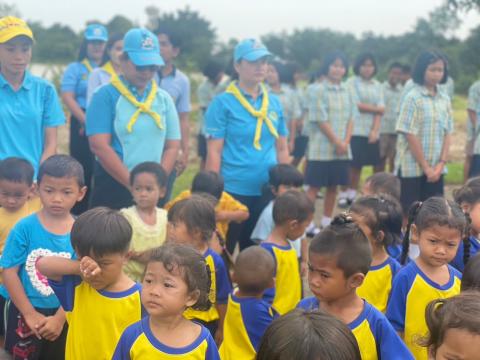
column 246, row 134
column 130, row 121
column 74, row 96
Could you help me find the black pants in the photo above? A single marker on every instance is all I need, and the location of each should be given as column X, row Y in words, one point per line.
column 107, row 191
column 168, row 194
column 418, row 189
column 80, row 150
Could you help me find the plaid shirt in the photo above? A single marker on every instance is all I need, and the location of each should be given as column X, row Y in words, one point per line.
column 333, row 104
column 290, row 103
column 392, row 96
column 474, row 104
column 427, row 117
column 367, row 92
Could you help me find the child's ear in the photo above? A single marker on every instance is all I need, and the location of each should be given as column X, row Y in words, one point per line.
column 81, row 194
column 380, row 236
column 293, row 224
column 356, row 280
column 414, row 234
column 192, row 298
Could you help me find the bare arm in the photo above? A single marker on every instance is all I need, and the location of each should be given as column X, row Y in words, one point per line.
column 282, row 150
column 214, row 154
column 326, row 128
column 369, row 108
column 100, row 146
column 472, row 115
column 222, row 311
column 72, row 105
column 170, row 153
column 235, row 215
column 417, row 152
column 348, row 134
column 55, row 267
column 50, row 143
column 185, row 142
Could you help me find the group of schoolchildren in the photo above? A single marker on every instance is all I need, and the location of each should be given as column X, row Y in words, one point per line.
column 146, row 282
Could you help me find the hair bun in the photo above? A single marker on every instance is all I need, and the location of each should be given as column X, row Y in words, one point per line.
column 342, row 219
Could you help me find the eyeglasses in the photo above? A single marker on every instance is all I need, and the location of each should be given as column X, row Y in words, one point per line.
column 151, row 68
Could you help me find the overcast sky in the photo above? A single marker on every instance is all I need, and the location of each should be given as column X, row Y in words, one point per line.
column 252, row 18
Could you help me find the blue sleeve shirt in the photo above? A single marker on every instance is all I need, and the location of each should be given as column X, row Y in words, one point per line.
column 74, row 80
column 265, row 224
column 178, row 86
column 97, row 78
column 25, row 114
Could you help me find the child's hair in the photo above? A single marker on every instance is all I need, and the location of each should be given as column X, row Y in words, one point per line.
column 212, row 69
column 173, row 36
column 471, row 274
column 208, row 182
column 285, row 73
column 395, row 65
column 305, row 335
column 346, row 241
column 190, row 265
column 331, row 58
column 436, row 211
column 197, row 213
column 425, row 59
column 254, row 270
column 150, row 167
column 101, row 231
column 62, row 166
column 361, row 59
column 459, row 312
column 468, row 193
column 16, row 170
column 406, row 69
column 112, row 39
column 284, row 174
column 292, row 205
column 381, row 213
column 385, row 183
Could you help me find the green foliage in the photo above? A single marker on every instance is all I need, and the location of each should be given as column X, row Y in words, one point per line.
column 56, row 44
column 8, row 10
column 119, row 25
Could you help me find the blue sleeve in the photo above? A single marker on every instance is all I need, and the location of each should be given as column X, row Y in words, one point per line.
column 457, row 262
column 282, row 125
column 16, row 248
column 172, row 120
column 122, row 350
column 100, row 113
column 308, row 304
column 212, row 350
column 389, row 344
column 53, row 114
column 269, row 294
column 257, row 318
column 70, row 78
column 183, row 101
column 396, row 307
column 223, row 286
column 65, row 290
column 216, row 119
column 264, row 225
column 93, row 83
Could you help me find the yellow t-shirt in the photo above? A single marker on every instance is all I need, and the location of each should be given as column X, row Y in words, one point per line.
column 226, row 203
column 144, row 237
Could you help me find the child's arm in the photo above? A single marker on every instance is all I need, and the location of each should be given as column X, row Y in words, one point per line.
column 222, row 311
column 55, row 267
column 140, row 256
column 53, row 326
column 234, row 215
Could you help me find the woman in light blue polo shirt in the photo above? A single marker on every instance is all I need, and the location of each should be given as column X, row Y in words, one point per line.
column 246, row 134
column 30, row 110
column 74, row 96
column 130, row 121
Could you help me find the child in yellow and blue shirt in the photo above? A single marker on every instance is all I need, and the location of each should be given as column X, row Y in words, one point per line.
column 339, row 259
column 248, row 316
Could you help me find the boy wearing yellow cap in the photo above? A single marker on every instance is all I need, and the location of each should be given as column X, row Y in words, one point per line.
column 29, row 106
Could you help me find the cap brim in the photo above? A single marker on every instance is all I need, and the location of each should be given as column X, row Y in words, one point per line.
column 97, row 38
column 146, row 58
column 14, row 34
column 256, row 54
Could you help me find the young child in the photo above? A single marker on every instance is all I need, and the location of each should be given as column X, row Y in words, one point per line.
column 149, row 223
column 339, row 259
column 292, row 212
column 454, row 327
column 468, row 198
column 35, row 320
column 176, row 278
column 305, row 335
column 380, row 218
column 192, row 221
column 437, row 226
column 99, row 299
column 248, row 316
column 382, row 183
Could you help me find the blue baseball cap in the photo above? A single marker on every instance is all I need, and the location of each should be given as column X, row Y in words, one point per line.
column 250, row 50
column 142, row 47
column 96, row 32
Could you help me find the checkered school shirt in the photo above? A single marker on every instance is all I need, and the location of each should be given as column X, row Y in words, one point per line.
column 392, row 96
column 290, row 103
column 333, row 104
column 430, row 119
column 474, row 104
column 368, row 92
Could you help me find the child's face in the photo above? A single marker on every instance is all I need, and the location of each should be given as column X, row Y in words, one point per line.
column 165, row 293
column 59, row 195
column 458, row 344
column 395, row 76
column 146, row 192
column 326, row 280
column 297, row 229
column 179, row 234
column 336, row 71
column 13, row 195
column 111, row 266
column 438, row 244
column 434, row 73
column 367, row 69
column 15, row 55
column 367, row 189
column 272, row 75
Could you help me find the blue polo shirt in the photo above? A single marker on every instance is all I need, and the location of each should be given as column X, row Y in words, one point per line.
column 75, row 80
column 244, row 168
column 109, row 113
column 24, row 115
column 178, row 86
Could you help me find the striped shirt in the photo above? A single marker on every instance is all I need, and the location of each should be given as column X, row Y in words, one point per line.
column 427, row 117
column 333, row 104
column 392, row 97
column 290, row 103
column 367, row 92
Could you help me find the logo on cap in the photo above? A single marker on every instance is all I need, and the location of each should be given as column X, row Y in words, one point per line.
column 257, row 45
column 97, row 32
column 147, row 43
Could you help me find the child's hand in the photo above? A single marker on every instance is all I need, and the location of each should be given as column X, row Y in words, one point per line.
column 303, row 268
column 52, row 328
column 35, row 321
column 219, row 337
column 89, row 268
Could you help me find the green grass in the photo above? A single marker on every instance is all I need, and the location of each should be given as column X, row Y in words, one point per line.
column 184, row 181
column 459, row 105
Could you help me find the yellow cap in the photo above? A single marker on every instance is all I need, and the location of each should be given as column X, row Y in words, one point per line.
column 11, row 26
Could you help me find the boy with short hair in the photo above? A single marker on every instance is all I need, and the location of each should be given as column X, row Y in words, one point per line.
column 99, row 299
column 35, row 321
column 339, row 259
column 248, row 316
column 292, row 212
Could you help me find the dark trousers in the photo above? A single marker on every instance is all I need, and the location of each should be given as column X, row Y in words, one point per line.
column 418, row 189
column 80, row 150
column 168, row 194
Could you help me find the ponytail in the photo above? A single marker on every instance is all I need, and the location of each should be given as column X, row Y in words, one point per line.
column 412, row 214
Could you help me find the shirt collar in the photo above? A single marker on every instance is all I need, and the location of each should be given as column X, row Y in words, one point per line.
column 173, row 73
column 134, row 91
column 333, row 86
column 247, row 95
column 26, row 84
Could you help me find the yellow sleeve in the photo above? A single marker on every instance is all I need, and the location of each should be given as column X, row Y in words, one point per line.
column 228, row 203
column 183, row 195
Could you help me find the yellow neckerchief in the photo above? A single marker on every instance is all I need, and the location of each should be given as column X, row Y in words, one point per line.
column 141, row 106
column 108, row 68
column 86, row 63
column 261, row 114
